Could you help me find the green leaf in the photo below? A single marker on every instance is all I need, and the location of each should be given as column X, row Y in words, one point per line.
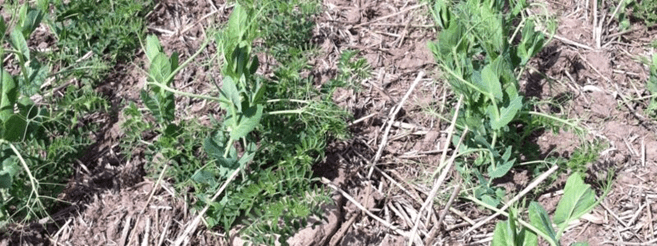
column 8, row 96
column 160, row 69
column 580, row 244
column 504, row 234
column 491, row 82
column 507, row 114
column 162, row 107
column 230, row 94
column 212, row 148
column 236, row 23
column 204, row 177
column 518, row 6
column 37, row 74
column 490, row 200
column 153, row 47
column 651, row 85
column 507, row 153
column 526, row 238
column 216, row 147
column 8, row 170
column 22, row 15
column 452, row 38
column 3, row 27
column 248, row 155
column 578, row 199
column 250, row 120
column 31, row 22
column 15, row 128
column 500, row 170
column 17, row 40
column 442, row 14
column 540, row 219
column 174, row 61
column 254, row 65
column 259, row 94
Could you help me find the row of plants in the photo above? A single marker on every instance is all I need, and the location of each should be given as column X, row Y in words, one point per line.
column 46, row 122
column 483, row 50
column 270, row 132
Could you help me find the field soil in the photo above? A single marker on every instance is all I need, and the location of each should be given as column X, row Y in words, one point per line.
column 387, row 173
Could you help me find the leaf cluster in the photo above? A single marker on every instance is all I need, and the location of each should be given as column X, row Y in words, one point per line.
column 273, row 130
column 106, row 28
column 38, row 139
column 277, row 195
column 483, row 49
column 578, row 199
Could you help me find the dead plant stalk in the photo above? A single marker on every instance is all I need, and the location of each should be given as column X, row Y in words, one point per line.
column 445, row 166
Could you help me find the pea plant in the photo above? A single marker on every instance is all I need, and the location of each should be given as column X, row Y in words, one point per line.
column 240, row 96
column 36, row 138
column 578, row 199
column 17, row 126
column 276, row 128
column 483, row 53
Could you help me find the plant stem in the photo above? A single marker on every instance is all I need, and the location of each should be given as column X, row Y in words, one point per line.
column 295, row 111
column 228, row 146
column 288, row 100
column 190, row 59
column 33, row 181
column 565, row 122
column 187, row 94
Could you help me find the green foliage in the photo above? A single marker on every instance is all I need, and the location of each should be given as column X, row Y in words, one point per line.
column 273, row 130
column 287, row 27
column 507, row 233
column 106, row 28
column 161, row 102
column 578, row 199
column 581, row 157
column 483, row 52
column 39, row 140
column 92, row 36
column 651, row 86
column 642, row 11
column 635, row 11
